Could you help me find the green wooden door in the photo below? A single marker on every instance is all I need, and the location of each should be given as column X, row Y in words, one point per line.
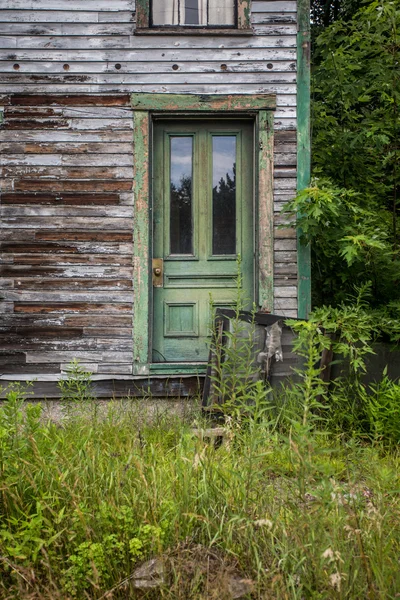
column 203, row 219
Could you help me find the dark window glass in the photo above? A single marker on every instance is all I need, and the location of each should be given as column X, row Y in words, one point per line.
column 181, row 225
column 191, row 12
column 224, row 194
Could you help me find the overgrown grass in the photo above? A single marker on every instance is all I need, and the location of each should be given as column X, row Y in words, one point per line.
column 302, row 514
column 302, row 499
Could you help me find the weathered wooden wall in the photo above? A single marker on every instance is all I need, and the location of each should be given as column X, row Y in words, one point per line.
column 66, row 70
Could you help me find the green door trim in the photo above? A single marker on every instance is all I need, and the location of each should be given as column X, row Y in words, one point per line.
column 303, row 149
column 260, row 106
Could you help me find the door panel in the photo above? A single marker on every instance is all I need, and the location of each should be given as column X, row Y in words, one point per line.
column 203, row 219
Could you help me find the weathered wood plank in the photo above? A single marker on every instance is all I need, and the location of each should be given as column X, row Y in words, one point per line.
column 156, row 68
column 281, row 304
column 71, row 5
column 70, row 100
column 101, row 160
column 68, row 356
column 73, row 271
column 122, row 28
column 270, row 32
column 67, row 248
column 74, row 259
column 275, row 51
column 63, row 136
column 68, row 185
column 84, row 199
column 173, row 88
column 70, row 172
column 75, row 124
column 84, row 236
column 72, row 284
column 66, row 211
column 58, row 320
column 273, row 6
column 225, row 77
column 286, row 292
column 71, row 307
column 69, row 148
column 67, row 222
column 49, row 297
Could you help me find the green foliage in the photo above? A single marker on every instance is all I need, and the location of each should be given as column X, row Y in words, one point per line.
column 351, row 210
column 76, row 387
column 383, row 410
column 351, row 243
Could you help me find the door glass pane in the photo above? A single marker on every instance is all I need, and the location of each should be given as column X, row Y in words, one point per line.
column 181, row 225
column 224, row 194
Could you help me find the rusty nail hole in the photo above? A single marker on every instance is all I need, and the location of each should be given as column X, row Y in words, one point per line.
column 118, row 66
column 270, row 66
column 175, row 67
column 223, row 67
column 66, row 67
column 16, row 67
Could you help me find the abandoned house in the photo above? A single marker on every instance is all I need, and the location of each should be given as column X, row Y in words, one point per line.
column 147, row 150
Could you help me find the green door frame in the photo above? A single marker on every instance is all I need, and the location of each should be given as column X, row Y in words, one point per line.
column 145, row 106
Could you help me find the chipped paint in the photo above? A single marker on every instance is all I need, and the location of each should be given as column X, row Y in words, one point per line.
column 303, row 148
column 141, row 236
column 203, row 102
column 265, row 210
column 243, row 14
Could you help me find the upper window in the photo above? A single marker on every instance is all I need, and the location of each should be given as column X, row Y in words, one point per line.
column 200, row 13
column 192, row 16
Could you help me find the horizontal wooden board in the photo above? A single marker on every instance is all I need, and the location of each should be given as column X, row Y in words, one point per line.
column 68, row 185
column 70, row 148
column 84, row 236
column 154, row 53
column 73, row 284
column 71, row 5
column 84, row 199
column 73, row 271
column 66, row 222
column 66, row 211
column 163, row 68
column 66, row 16
column 63, row 123
column 73, row 29
column 71, row 307
column 48, row 297
column 55, row 135
column 268, row 77
column 102, row 160
column 85, row 356
column 173, row 88
column 67, row 248
column 70, row 172
column 271, row 36
column 74, row 259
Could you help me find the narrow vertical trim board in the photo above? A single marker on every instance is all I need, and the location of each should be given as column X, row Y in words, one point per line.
column 260, row 105
column 303, row 148
column 141, row 236
column 265, row 211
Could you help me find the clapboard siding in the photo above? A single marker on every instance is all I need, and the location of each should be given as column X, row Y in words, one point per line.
column 67, row 69
column 68, row 260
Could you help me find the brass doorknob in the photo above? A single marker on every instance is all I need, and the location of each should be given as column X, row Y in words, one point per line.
column 157, row 271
